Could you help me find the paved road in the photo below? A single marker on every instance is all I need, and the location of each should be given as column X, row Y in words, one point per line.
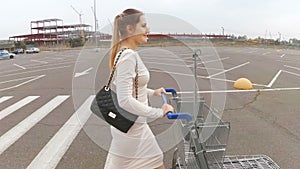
column 43, row 96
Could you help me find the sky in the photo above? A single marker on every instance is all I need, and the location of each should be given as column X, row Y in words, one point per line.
column 255, row 18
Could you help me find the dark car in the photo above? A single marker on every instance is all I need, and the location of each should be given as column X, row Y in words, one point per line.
column 19, row 51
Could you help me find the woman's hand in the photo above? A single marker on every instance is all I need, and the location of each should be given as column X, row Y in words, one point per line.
column 158, row 92
column 167, row 108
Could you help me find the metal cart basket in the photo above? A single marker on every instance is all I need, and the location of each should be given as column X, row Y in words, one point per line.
column 205, row 139
column 253, row 161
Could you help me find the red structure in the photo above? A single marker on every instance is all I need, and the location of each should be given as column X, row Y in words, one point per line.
column 177, row 36
column 53, row 31
column 189, row 36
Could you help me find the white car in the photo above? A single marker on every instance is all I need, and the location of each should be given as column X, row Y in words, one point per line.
column 32, row 50
column 6, row 54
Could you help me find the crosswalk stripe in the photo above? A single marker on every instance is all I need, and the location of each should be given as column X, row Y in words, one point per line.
column 51, row 154
column 3, row 99
column 7, row 139
column 9, row 110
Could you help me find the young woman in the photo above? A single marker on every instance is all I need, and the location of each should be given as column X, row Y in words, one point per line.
column 138, row 148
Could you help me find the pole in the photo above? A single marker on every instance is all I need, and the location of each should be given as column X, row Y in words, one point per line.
column 96, row 26
column 222, row 30
column 196, row 106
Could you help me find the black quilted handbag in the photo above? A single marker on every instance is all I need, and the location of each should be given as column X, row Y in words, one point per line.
column 105, row 105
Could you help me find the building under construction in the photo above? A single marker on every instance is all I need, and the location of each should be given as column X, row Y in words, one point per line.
column 53, row 31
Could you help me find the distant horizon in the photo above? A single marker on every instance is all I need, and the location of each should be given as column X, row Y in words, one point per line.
column 270, row 18
column 175, row 33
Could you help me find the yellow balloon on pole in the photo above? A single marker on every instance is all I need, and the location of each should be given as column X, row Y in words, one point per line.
column 243, row 84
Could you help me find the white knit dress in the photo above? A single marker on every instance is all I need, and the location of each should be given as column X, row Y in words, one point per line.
column 138, row 148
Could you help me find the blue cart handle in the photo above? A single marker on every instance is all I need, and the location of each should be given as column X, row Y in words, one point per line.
column 171, row 90
column 171, row 115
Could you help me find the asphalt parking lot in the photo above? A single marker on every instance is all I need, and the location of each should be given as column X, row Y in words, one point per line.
column 42, row 96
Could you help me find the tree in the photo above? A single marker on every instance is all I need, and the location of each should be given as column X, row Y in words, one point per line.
column 76, row 42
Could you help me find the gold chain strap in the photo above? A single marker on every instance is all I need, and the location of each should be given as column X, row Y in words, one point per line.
column 113, row 71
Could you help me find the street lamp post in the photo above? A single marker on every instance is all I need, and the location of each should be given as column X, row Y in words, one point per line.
column 222, row 30
column 96, row 24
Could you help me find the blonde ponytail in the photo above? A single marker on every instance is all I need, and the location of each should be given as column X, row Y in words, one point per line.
column 115, row 42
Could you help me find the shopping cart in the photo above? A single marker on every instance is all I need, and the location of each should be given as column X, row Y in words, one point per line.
column 205, row 138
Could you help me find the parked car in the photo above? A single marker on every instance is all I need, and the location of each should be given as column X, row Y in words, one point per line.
column 32, row 50
column 6, row 54
column 19, row 51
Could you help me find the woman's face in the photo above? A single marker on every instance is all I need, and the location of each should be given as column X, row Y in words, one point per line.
column 141, row 31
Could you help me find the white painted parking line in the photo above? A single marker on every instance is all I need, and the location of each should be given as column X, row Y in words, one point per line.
column 9, row 110
column 266, row 53
column 5, row 98
column 161, row 59
column 176, row 73
column 292, row 67
column 22, row 67
column 292, row 73
column 51, row 154
column 218, row 79
column 19, row 79
column 32, row 71
column 200, row 56
column 11, row 136
column 39, row 66
column 274, row 78
column 180, row 65
column 240, row 91
column 185, row 54
column 167, row 64
column 233, row 81
column 210, row 61
column 85, row 72
column 229, row 69
column 28, row 81
column 54, row 58
column 38, row 61
column 217, row 60
column 288, row 61
column 282, row 55
column 203, row 77
column 170, row 56
column 205, row 56
column 206, row 68
column 51, row 64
